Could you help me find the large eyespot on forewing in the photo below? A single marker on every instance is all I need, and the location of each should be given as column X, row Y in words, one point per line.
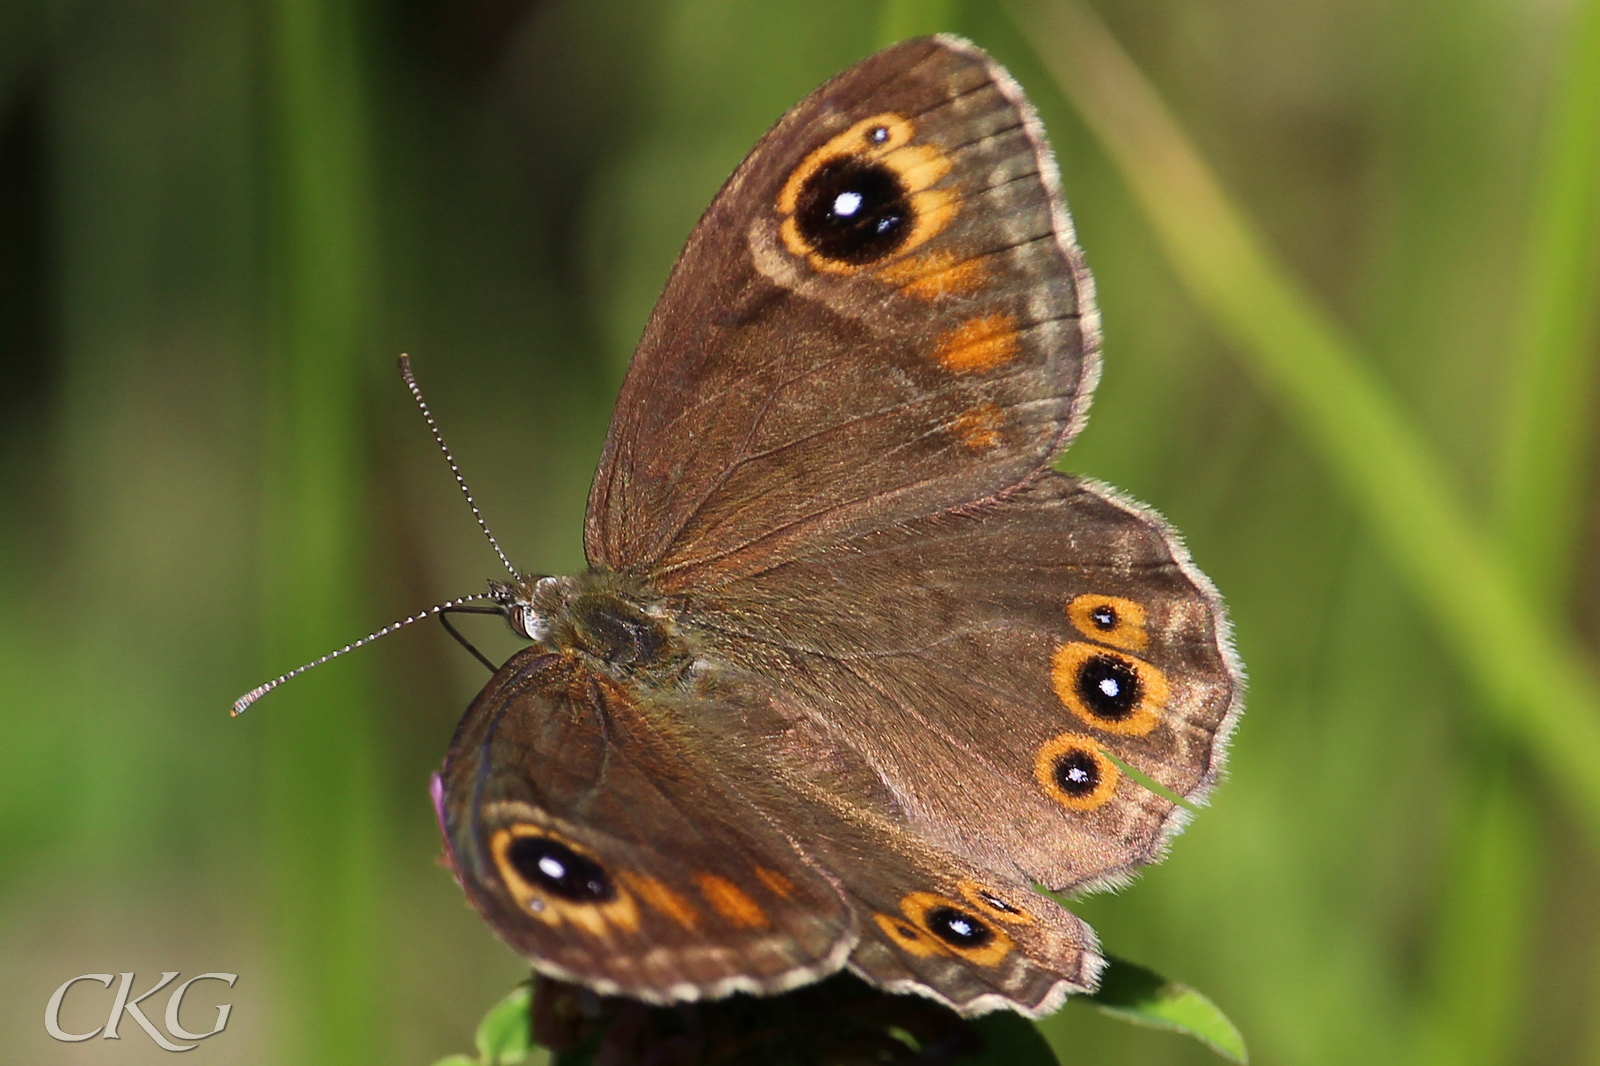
column 864, row 196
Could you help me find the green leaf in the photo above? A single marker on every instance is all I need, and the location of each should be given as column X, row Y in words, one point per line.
column 505, row 1034
column 1137, row 994
column 1544, row 482
column 1010, row 1040
column 457, row 1060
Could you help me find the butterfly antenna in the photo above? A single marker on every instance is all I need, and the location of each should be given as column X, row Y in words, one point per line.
column 433, row 427
column 243, row 703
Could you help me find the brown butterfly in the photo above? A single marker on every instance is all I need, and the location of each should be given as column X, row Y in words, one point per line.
column 852, row 669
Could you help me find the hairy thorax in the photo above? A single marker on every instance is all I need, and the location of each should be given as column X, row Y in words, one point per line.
column 609, row 621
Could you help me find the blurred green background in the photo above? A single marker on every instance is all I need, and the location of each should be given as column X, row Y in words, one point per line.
column 220, row 220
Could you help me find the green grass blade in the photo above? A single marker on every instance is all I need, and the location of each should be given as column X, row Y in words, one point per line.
column 1529, row 669
column 1549, row 437
column 1470, row 1009
column 1473, row 1003
column 1137, row 994
column 321, row 793
column 1549, row 431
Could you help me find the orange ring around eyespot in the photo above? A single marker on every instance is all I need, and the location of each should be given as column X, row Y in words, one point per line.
column 853, row 141
column 917, row 905
column 1069, row 660
column 1044, row 771
column 917, row 166
column 620, row 912
column 1128, row 632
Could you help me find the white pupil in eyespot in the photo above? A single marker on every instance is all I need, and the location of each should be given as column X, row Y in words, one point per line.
column 1077, row 775
column 846, row 204
column 552, row 868
column 960, row 927
column 1110, row 687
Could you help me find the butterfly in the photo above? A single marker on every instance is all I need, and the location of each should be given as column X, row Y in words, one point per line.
column 853, row 669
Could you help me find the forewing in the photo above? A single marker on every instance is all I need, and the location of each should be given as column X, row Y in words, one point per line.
column 588, row 829
column 882, row 315
column 989, row 670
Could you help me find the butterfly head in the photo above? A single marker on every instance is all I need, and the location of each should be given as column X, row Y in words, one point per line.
column 527, row 604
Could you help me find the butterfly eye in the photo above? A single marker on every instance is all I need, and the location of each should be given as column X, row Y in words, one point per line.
column 526, row 622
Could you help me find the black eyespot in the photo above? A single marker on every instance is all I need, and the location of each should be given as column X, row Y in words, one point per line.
column 958, row 928
column 1077, row 772
column 878, row 134
column 559, row 870
column 1109, row 687
column 853, row 211
column 997, row 903
column 1104, row 616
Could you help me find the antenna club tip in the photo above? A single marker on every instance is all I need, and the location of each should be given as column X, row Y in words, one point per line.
column 243, row 703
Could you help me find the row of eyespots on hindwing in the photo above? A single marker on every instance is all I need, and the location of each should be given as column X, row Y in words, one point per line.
column 1106, row 687
column 559, row 881
column 973, row 928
